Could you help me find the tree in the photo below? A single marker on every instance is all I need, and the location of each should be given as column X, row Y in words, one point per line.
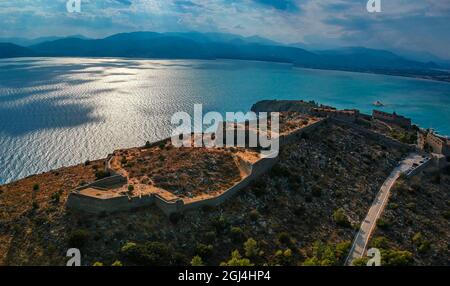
column 98, row 264
column 130, row 189
column 204, row 250
column 117, row 263
column 237, row 234
column 148, row 254
column 237, row 260
column 197, row 261
column 33, row 195
column 251, row 248
column 342, row 249
column 396, row 258
column 380, row 242
column 360, row 261
column 128, row 246
column 340, row 218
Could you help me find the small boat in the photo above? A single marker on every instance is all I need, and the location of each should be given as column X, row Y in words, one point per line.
column 378, row 103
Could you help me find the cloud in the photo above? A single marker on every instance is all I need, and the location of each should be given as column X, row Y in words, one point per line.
column 419, row 25
column 285, row 5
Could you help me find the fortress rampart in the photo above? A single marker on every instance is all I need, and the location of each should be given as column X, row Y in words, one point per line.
column 104, row 204
column 97, row 198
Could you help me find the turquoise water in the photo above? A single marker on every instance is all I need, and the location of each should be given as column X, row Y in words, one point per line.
column 59, row 112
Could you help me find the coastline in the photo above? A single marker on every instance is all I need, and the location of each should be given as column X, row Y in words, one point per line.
column 386, row 73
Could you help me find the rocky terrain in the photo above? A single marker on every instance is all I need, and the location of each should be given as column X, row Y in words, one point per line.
column 181, row 171
column 417, row 220
column 304, row 212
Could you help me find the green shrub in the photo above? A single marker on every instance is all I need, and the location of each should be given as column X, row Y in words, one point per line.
column 383, row 224
column 148, row 144
column 360, row 261
column 342, row 249
column 284, row 238
column 283, row 257
column 325, row 255
column 117, row 263
column 340, row 218
column 396, row 258
column 36, row 187
column 417, row 238
column 312, row 261
column 422, row 245
column 197, row 261
column 149, row 254
column 380, row 242
column 237, row 234
column 210, row 236
column 251, row 248
column 204, row 250
column 128, row 246
column 98, row 264
column 237, row 260
column 78, row 238
column 220, row 223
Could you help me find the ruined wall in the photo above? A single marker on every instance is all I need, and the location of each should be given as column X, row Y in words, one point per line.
column 96, row 205
column 420, row 168
column 106, row 182
column 253, row 171
column 259, row 168
column 286, row 139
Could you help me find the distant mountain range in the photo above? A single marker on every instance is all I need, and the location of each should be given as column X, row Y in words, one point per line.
column 196, row 45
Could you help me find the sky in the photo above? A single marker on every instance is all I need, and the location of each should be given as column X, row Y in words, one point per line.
column 414, row 25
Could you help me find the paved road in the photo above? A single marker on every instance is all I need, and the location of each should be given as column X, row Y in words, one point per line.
column 368, row 225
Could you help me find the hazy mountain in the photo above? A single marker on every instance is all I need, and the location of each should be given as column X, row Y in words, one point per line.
column 8, row 50
column 28, row 42
column 364, row 58
column 195, row 45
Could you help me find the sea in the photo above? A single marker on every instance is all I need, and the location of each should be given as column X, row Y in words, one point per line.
column 57, row 112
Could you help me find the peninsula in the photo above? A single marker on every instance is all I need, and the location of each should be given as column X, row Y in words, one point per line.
column 160, row 205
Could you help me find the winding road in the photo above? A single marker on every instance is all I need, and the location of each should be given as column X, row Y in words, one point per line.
column 368, row 225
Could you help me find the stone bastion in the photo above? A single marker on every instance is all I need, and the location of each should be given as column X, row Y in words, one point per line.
column 179, row 179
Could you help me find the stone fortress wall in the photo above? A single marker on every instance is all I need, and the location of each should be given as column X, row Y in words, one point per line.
column 90, row 204
column 251, row 171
